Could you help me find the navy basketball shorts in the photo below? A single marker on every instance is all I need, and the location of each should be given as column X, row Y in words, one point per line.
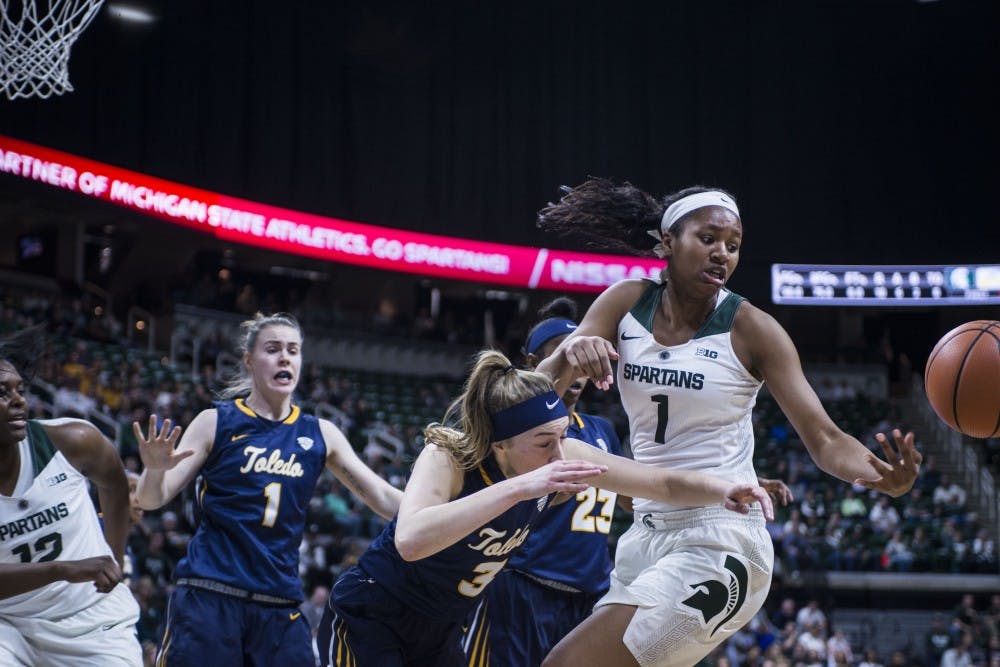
column 365, row 626
column 521, row 620
column 209, row 628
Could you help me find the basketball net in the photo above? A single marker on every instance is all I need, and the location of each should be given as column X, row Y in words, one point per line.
column 35, row 40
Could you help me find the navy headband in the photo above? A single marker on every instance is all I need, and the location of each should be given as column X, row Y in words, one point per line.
column 548, row 330
column 528, row 414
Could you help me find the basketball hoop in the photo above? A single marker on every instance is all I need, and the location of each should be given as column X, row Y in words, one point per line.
column 35, row 40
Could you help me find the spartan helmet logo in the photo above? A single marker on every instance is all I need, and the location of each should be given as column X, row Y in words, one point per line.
column 712, row 597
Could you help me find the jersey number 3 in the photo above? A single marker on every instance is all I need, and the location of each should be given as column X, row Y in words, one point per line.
column 486, row 571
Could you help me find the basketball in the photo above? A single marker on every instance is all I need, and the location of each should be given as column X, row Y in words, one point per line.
column 962, row 378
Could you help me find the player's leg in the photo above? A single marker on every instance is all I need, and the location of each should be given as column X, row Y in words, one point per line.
column 710, row 581
column 102, row 635
column 203, row 628
column 14, row 649
column 596, row 641
column 355, row 630
column 503, row 630
column 277, row 636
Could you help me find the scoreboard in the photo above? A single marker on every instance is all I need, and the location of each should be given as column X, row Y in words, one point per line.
column 902, row 285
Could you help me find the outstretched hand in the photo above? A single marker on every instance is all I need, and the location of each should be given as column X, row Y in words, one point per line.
column 740, row 497
column 157, row 451
column 102, row 570
column 899, row 470
column 592, row 356
column 562, row 476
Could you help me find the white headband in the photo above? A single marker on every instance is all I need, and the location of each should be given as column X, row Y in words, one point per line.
column 685, row 205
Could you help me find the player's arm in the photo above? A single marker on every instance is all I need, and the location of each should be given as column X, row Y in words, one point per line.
column 590, row 349
column 430, row 521
column 87, row 450
column 18, row 578
column 675, row 487
column 352, row 472
column 168, row 470
column 774, row 358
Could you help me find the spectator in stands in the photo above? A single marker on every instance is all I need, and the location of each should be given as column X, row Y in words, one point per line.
column 833, row 544
column 936, row 640
column 796, row 550
column 69, row 401
column 811, row 615
column 851, row 506
column 965, row 612
column 917, row 508
column 813, row 641
column 983, row 552
column 883, row 517
column 786, row 612
column 313, row 607
column 837, row 645
column 930, row 477
column 812, row 507
column 897, row 554
column 871, row 659
column 950, row 496
column 959, row 655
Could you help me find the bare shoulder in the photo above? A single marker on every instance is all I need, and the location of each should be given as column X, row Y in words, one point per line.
column 206, row 420
column 80, row 442
column 759, row 340
column 751, row 322
column 610, row 307
column 625, row 292
column 69, row 433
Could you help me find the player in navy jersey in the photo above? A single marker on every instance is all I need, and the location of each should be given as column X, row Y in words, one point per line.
column 691, row 358
column 61, row 597
column 238, row 588
column 473, row 498
column 552, row 582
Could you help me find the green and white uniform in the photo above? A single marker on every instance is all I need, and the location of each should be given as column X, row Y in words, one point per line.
column 696, row 574
column 50, row 516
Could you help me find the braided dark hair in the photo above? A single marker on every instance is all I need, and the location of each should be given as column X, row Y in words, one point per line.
column 611, row 218
column 24, row 350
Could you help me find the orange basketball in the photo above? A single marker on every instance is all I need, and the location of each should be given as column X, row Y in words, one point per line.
column 962, row 378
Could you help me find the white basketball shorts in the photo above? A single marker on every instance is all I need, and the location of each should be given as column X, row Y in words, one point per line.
column 102, row 635
column 696, row 577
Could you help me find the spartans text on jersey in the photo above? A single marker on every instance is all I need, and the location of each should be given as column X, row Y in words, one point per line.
column 666, row 377
column 34, row 521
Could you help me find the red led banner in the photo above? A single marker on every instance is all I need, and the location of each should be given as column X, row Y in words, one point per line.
column 285, row 230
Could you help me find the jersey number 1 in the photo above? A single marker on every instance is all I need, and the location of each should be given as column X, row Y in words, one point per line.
column 273, row 494
column 662, row 401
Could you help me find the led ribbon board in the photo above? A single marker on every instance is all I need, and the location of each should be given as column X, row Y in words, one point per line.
column 284, row 230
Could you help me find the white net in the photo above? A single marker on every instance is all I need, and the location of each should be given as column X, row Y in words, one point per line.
column 35, row 40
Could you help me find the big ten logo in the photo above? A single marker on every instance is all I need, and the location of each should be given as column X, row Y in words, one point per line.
column 705, row 352
column 56, row 479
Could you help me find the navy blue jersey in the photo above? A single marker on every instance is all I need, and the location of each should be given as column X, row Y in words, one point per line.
column 254, row 491
column 446, row 586
column 570, row 543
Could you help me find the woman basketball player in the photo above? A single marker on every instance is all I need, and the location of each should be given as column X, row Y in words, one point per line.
column 238, row 588
column 61, row 597
column 691, row 359
column 474, row 496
